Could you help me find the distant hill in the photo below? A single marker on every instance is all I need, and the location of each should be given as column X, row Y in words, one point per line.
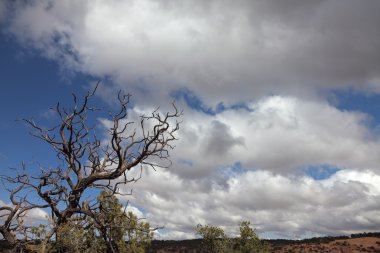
column 364, row 242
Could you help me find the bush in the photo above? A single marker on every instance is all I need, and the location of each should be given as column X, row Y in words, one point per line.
column 215, row 240
column 249, row 241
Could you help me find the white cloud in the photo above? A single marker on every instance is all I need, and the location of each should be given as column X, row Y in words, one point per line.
column 280, row 134
column 223, row 51
column 36, row 216
column 291, row 206
column 274, row 143
column 134, row 210
column 173, row 235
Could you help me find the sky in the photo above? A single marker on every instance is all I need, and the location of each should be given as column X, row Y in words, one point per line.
column 280, row 99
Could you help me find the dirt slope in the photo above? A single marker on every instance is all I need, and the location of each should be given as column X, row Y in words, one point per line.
column 364, row 244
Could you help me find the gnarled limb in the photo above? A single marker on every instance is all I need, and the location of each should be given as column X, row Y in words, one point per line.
column 87, row 163
column 11, row 216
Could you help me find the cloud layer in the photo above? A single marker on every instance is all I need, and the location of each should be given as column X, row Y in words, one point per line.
column 223, row 51
column 278, row 206
column 273, row 134
column 253, row 164
column 274, row 62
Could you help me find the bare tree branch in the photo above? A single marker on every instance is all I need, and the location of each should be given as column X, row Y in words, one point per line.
column 11, row 216
column 87, row 163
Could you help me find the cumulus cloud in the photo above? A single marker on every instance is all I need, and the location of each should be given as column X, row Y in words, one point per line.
column 279, row 134
column 277, row 205
column 36, row 216
column 273, row 143
column 134, row 210
column 223, row 51
column 275, row 57
column 173, row 235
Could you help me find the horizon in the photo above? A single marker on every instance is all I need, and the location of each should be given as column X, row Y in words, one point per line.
column 281, row 105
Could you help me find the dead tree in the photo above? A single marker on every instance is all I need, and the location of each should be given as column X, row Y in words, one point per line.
column 87, row 163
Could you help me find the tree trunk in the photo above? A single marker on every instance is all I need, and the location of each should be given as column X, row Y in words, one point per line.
column 43, row 246
column 45, row 241
column 10, row 238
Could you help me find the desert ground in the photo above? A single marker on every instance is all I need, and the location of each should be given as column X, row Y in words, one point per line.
column 355, row 243
column 365, row 244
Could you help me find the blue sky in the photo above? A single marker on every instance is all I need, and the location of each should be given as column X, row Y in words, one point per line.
column 30, row 86
column 281, row 103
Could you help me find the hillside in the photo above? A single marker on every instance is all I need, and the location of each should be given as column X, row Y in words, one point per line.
column 367, row 242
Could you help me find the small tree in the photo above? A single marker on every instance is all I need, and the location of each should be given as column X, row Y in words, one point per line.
column 73, row 237
column 113, row 230
column 122, row 230
column 139, row 234
column 213, row 238
column 249, row 241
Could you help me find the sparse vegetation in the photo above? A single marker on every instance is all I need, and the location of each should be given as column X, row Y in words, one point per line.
column 215, row 240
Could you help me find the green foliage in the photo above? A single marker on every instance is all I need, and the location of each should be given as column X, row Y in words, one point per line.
column 139, row 234
column 73, row 237
column 125, row 231
column 249, row 241
column 114, row 231
column 215, row 240
column 38, row 232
